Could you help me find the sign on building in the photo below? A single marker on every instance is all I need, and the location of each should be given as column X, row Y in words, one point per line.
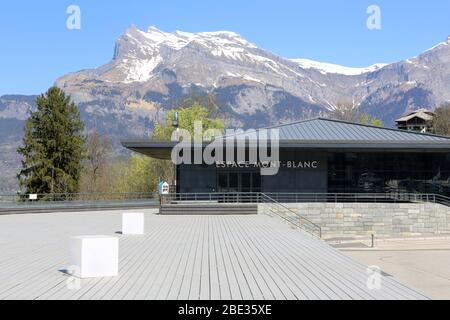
column 164, row 188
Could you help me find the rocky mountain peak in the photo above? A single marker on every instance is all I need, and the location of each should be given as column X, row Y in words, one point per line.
column 153, row 70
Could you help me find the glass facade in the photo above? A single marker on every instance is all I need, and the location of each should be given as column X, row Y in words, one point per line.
column 334, row 172
column 382, row 172
column 237, row 181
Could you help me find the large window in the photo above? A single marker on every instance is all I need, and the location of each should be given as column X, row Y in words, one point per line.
column 389, row 172
column 235, row 181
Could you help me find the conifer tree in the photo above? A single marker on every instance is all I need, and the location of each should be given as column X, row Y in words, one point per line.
column 52, row 147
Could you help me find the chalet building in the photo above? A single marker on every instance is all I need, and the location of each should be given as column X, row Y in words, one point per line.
column 420, row 120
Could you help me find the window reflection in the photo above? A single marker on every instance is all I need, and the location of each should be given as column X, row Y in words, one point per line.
column 389, row 172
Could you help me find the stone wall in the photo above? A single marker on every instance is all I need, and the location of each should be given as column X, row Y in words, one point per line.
column 380, row 219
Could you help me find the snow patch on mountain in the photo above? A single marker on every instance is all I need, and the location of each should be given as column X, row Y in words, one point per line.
column 139, row 52
column 139, row 70
column 245, row 77
column 325, row 68
column 226, row 42
column 439, row 45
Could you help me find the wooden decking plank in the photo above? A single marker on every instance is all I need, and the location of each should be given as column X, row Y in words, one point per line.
column 396, row 289
column 165, row 276
column 176, row 268
column 312, row 285
column 353, row 281
column 196, row 276
column 41, row 283
column 258, row 285
column 237, row 262
column 222, row 273
column 264, row 287
column 113, row 291
column 205, row 275
column 279, row 262
column 309, row 268
column 90, row 287
column 257, row 241
column 159, row 248
column 175, row 287
column 142, row 255
column 334, row 280
column 184, row 257
column 186, row 283
column 214, row 282
column 233, row 281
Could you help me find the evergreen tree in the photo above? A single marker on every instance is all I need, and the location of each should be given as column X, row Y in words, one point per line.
column 52, row 146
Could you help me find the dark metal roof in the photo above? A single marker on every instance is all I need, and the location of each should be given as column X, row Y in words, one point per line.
column 322, row 130
column 327, row 134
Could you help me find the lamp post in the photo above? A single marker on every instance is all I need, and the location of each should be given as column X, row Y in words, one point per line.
column 175, row 125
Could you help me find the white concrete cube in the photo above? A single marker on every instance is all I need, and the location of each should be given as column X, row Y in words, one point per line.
column 94, row 256
column 133, row 223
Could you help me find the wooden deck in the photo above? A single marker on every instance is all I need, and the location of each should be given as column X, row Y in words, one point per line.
column 183, row 257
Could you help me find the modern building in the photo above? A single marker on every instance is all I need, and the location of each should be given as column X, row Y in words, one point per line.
column 324, row 156
column 420, row 120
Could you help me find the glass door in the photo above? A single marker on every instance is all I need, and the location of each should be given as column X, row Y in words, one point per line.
column 246, row 182
column 239, row 182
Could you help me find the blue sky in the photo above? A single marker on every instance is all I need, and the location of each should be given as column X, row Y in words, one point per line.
column 37, row 47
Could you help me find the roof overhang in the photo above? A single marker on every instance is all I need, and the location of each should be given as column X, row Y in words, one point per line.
column 154, row 149
column 163, row 149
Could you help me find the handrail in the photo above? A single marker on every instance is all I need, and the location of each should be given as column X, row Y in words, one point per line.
column 76, row 197
column 300, row 221
column 360, row 197
column 317, row 197
column 225, row 197
column 279, row 209
column 304, row 223
column 248, row 197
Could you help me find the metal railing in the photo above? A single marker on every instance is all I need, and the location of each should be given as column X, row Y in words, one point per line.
column 431, row 198
column 275, row 202
column 312, row 197
column 75, row 197
column 359, row 198
column 271, row 205
column 22, row 203
column 217, row 197
column 231, row 196
column 289, row 215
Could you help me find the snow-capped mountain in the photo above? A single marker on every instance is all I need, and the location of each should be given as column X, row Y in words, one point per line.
column 153, row 70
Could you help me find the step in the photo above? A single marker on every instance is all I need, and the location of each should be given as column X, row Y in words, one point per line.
column 209, row 209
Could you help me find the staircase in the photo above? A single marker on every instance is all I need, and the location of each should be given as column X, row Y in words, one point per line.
column 208, row 208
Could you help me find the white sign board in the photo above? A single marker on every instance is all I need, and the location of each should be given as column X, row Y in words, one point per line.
column 33, row 196
column 164, row 188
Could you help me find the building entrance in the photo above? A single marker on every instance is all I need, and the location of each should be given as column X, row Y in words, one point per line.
column 239, row 181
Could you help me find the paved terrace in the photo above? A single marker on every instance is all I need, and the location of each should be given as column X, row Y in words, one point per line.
column 183, row 257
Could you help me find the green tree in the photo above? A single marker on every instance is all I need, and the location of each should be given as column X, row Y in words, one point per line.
column 52, row 146
column 143, row 173
column 441, row 122
column 366, row 118
column 187, row 117
column 345, row 111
